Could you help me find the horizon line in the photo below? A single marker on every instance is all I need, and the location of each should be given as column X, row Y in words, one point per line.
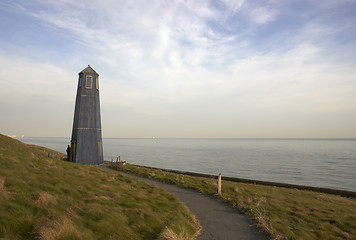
column 267, row 138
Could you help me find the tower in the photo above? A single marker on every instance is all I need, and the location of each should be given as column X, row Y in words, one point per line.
column 86, row 142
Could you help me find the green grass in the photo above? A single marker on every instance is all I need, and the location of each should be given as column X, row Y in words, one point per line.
column 281, row 212
column 45, row 198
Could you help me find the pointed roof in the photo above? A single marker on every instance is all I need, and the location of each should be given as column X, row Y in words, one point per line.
column 89, row 69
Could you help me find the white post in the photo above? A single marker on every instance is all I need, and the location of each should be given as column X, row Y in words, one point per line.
column 219, row 184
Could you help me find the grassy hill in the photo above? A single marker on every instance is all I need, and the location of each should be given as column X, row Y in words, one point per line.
column 283, row 213
column 45, row 198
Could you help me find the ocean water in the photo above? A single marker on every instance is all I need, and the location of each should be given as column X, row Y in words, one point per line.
column 329, row 163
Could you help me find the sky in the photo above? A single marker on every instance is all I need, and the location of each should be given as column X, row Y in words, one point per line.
column 180, row 68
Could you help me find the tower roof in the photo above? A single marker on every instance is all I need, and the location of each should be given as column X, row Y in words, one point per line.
column 89, row 69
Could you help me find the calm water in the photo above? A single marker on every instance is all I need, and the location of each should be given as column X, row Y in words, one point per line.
column 329, row 163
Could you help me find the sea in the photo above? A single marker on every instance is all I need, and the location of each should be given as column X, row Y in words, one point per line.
column 327, row 163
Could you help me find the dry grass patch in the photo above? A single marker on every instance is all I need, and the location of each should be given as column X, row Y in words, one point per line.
column 2, row 183
column 44, row 199
column 12, row 159
column 126, row 186
column 169, row 234
column 51, row 164
column 111, row 179
column 57, row 229
column 72, row 212
column 104, row 186
column 328, row 197
column 30, row 164
column 102, row 197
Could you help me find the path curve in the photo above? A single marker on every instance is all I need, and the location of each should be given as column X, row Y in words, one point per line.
column 218, row 220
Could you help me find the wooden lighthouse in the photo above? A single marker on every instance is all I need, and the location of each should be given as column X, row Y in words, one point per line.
column 86, row 142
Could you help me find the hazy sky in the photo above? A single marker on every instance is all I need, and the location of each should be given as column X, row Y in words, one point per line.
column 219, row 68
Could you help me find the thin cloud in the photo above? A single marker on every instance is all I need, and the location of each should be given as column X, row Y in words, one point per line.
column 233, row 5
column 262, row 15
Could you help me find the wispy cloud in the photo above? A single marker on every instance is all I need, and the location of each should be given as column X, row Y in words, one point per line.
column 262, row 15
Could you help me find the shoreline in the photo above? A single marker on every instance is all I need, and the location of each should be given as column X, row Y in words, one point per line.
column 343, row 193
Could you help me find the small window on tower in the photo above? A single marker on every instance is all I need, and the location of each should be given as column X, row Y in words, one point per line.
column 97, row 83
column 89, row 82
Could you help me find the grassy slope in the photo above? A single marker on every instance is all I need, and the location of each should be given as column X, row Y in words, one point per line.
column 45, row 198
column 282, row 213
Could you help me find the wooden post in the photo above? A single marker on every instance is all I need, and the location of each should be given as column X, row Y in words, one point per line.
column 219, row 184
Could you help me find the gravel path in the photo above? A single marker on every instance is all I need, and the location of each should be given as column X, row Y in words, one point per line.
column 218, row 220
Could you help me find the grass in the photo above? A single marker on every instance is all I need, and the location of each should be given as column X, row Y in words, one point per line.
column 281, row 212
column 45, row 198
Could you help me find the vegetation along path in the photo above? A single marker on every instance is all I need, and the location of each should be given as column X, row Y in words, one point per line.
column 218, row 220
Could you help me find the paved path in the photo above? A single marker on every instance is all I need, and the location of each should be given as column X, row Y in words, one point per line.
column 218, row 220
